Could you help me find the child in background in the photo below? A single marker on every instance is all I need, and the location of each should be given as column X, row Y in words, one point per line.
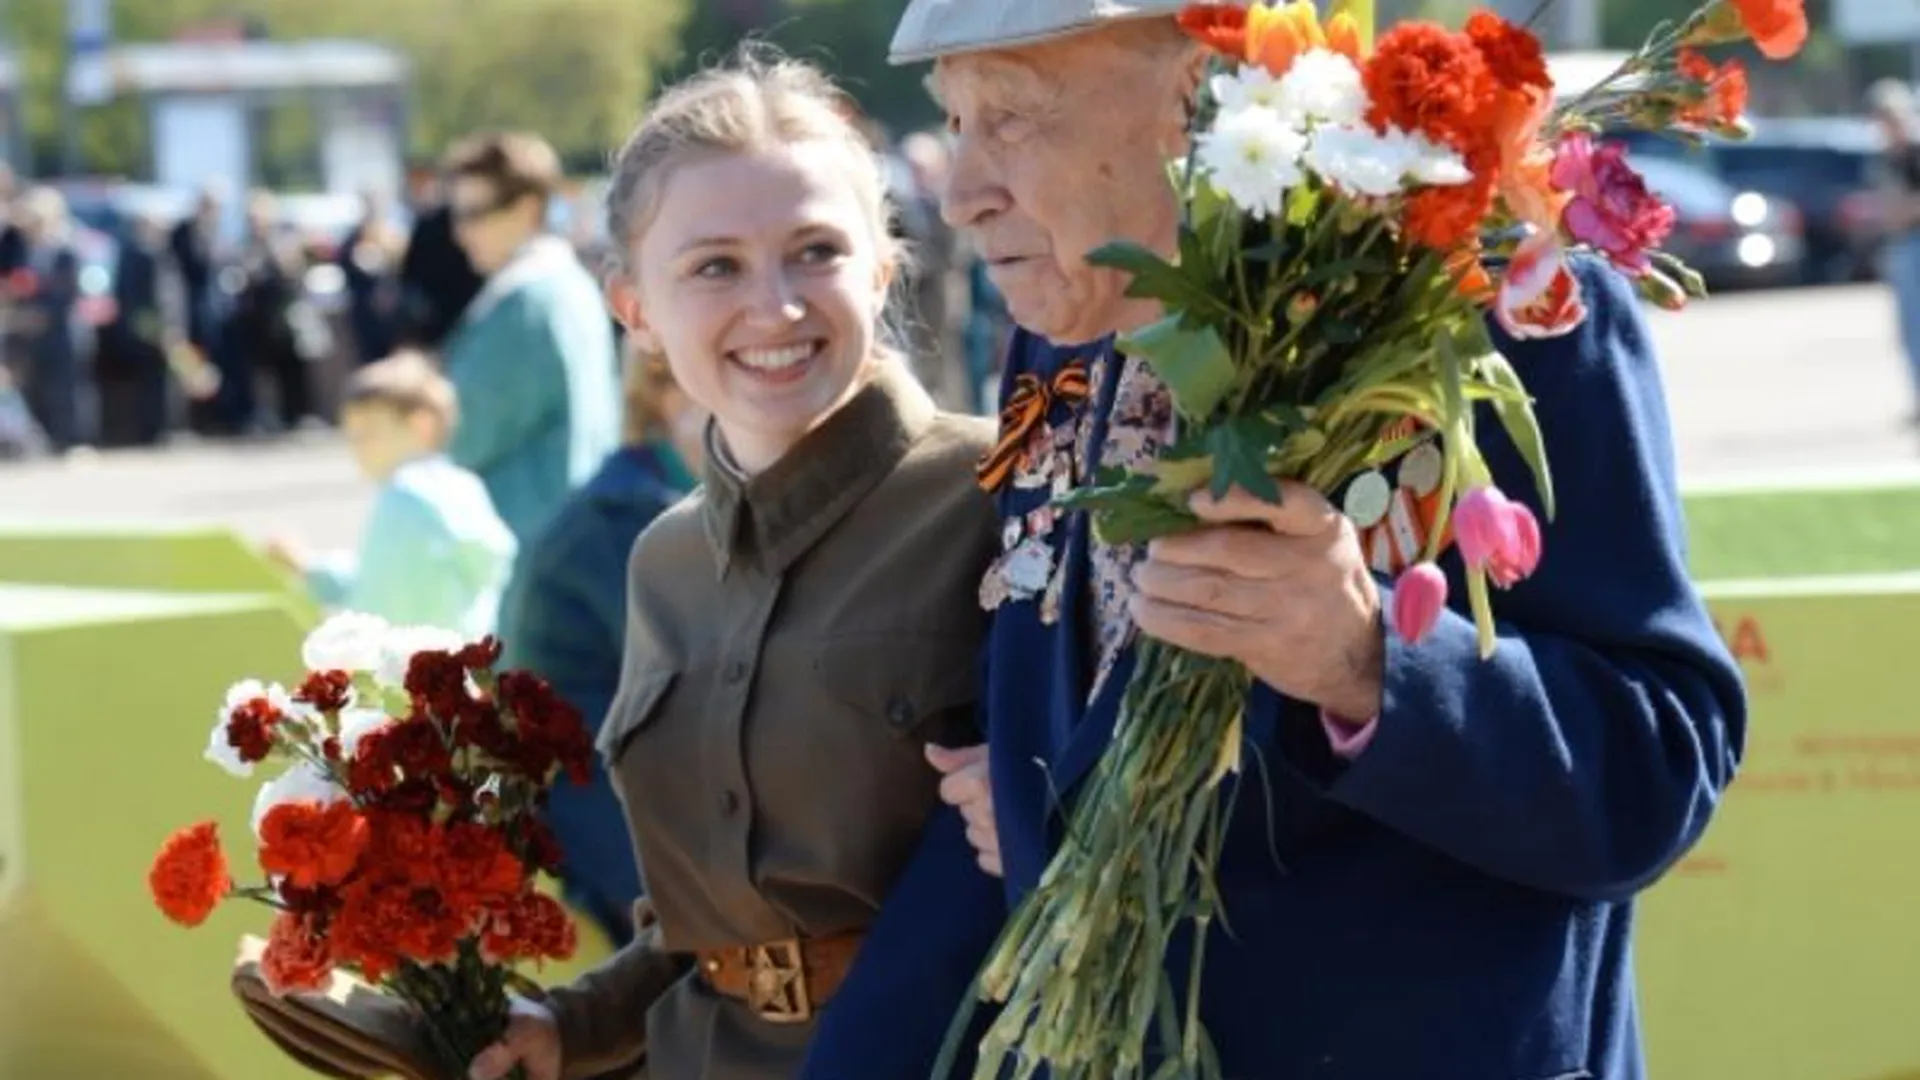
column 434, row 551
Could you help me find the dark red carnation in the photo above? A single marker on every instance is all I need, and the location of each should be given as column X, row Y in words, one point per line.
column 250, row 728
column 327, row 691
column 482, row 654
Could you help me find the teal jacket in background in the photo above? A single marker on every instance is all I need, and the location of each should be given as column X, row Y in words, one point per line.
column 535, row 366
column 434, row 553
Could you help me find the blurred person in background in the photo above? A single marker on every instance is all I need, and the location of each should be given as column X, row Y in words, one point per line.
column 45, row 291
column 266, row 327
column 149, row 319
column 934, row 282
column 13, row 242
column 434, row 552
column 533, row 357
column 199, row 254
column 1891, row 103
column 437, row 280
column 572, row 618
column 370, row 259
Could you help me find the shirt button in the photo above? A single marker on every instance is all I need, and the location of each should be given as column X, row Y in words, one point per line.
column 736, row 671
column 900, row 712
column 729, row 803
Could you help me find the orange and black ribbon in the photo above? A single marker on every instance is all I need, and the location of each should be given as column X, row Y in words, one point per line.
column 1026, row 408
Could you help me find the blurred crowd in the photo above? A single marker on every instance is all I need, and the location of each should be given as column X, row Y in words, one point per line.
column 129, row 314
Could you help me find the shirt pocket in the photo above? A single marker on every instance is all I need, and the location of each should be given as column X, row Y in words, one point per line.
column 920, row 688
column 635, row 705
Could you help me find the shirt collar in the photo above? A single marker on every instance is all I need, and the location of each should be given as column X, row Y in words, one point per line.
column 774, row 517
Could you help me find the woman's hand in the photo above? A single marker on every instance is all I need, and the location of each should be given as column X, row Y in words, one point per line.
column 532, row 1041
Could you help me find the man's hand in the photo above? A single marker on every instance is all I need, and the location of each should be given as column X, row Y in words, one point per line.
column 531, row 1042
column 965, row 786
column 1284, row 589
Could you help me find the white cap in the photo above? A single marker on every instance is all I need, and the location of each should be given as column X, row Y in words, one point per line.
column 935, row 28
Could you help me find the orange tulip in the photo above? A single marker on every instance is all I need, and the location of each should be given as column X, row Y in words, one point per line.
column 1278, row 34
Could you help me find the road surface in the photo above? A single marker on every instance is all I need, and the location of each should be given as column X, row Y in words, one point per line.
column 1758, row 382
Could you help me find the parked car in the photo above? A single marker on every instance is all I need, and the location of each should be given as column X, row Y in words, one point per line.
column 1822, row 165
column 1735, row 238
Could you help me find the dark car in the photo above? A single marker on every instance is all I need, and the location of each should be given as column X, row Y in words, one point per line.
column 1822, row 165
column 1735, row 238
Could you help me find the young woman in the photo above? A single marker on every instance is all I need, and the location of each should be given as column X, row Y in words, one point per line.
column 800, row 628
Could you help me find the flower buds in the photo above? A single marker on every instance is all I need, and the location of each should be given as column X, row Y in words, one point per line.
column 1419, row 596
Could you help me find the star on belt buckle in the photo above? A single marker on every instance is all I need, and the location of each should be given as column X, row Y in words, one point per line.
column 777, row 983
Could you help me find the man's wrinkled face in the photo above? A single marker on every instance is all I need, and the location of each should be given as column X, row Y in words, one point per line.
column 1060, row 148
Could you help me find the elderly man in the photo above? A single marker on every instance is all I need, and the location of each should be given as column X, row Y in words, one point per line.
column 1432, row 871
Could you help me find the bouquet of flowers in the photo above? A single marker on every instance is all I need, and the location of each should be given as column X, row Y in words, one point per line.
column 401, row 841
column 1352, row 213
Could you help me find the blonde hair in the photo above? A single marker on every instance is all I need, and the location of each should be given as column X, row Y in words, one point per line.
column 645, row 382
column 407, row 382
column 757, row 101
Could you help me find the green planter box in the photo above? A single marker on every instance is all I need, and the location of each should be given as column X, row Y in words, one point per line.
column 156, row 556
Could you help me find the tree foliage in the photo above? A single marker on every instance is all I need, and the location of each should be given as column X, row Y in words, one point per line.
column 578, row 71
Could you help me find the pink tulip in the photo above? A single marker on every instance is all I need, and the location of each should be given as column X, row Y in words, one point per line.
column 1419, row 596
column 1521, row 560
column 1497, row 535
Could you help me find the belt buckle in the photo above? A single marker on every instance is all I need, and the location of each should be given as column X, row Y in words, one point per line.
column 777, row 983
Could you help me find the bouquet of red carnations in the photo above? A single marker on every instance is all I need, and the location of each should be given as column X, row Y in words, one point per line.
column 402, row 841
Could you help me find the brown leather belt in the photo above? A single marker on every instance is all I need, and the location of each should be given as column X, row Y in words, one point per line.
column 784, row 982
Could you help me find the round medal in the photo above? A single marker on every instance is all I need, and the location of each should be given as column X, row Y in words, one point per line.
column 1365, row 502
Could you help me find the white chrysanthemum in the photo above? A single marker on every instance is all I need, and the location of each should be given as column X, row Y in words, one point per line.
column 357, row 724
column 1434, row 164
column 220, row 748
column 1253, row 157
column 349, row 641
column 1249, row 87
column 1322, row 87
column 399, row 644
column 1359, row 161
column 302, row 782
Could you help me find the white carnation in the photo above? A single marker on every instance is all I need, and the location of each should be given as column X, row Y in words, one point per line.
column 400, row 643
column 220, row 748
column 349, row 641
column 1322, row 87
column 302, row 782
column 1253, row 157
column 357, row 724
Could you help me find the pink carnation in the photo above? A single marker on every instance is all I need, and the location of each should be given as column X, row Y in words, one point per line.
column 1611, row 208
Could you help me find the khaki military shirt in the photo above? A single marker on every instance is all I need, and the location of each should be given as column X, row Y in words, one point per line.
column 793, row 642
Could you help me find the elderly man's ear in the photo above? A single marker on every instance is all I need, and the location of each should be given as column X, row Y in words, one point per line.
column 1186, row 75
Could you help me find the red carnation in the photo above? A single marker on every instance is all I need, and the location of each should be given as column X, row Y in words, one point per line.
column 1426, row 80
column 531, row 926
column 327, row 691
column 250, row 728
column 296, row 957
column 189, row 877
column 481, row 655
column 312, row 845
column 1512, row 54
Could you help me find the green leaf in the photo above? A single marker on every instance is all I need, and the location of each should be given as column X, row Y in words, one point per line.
column 1515, row 410
column 1128, row 512
column 1188, row 287
column 1194, row 364
column 1239, row 448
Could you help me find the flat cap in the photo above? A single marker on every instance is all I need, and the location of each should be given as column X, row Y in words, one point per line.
column 935, row 28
